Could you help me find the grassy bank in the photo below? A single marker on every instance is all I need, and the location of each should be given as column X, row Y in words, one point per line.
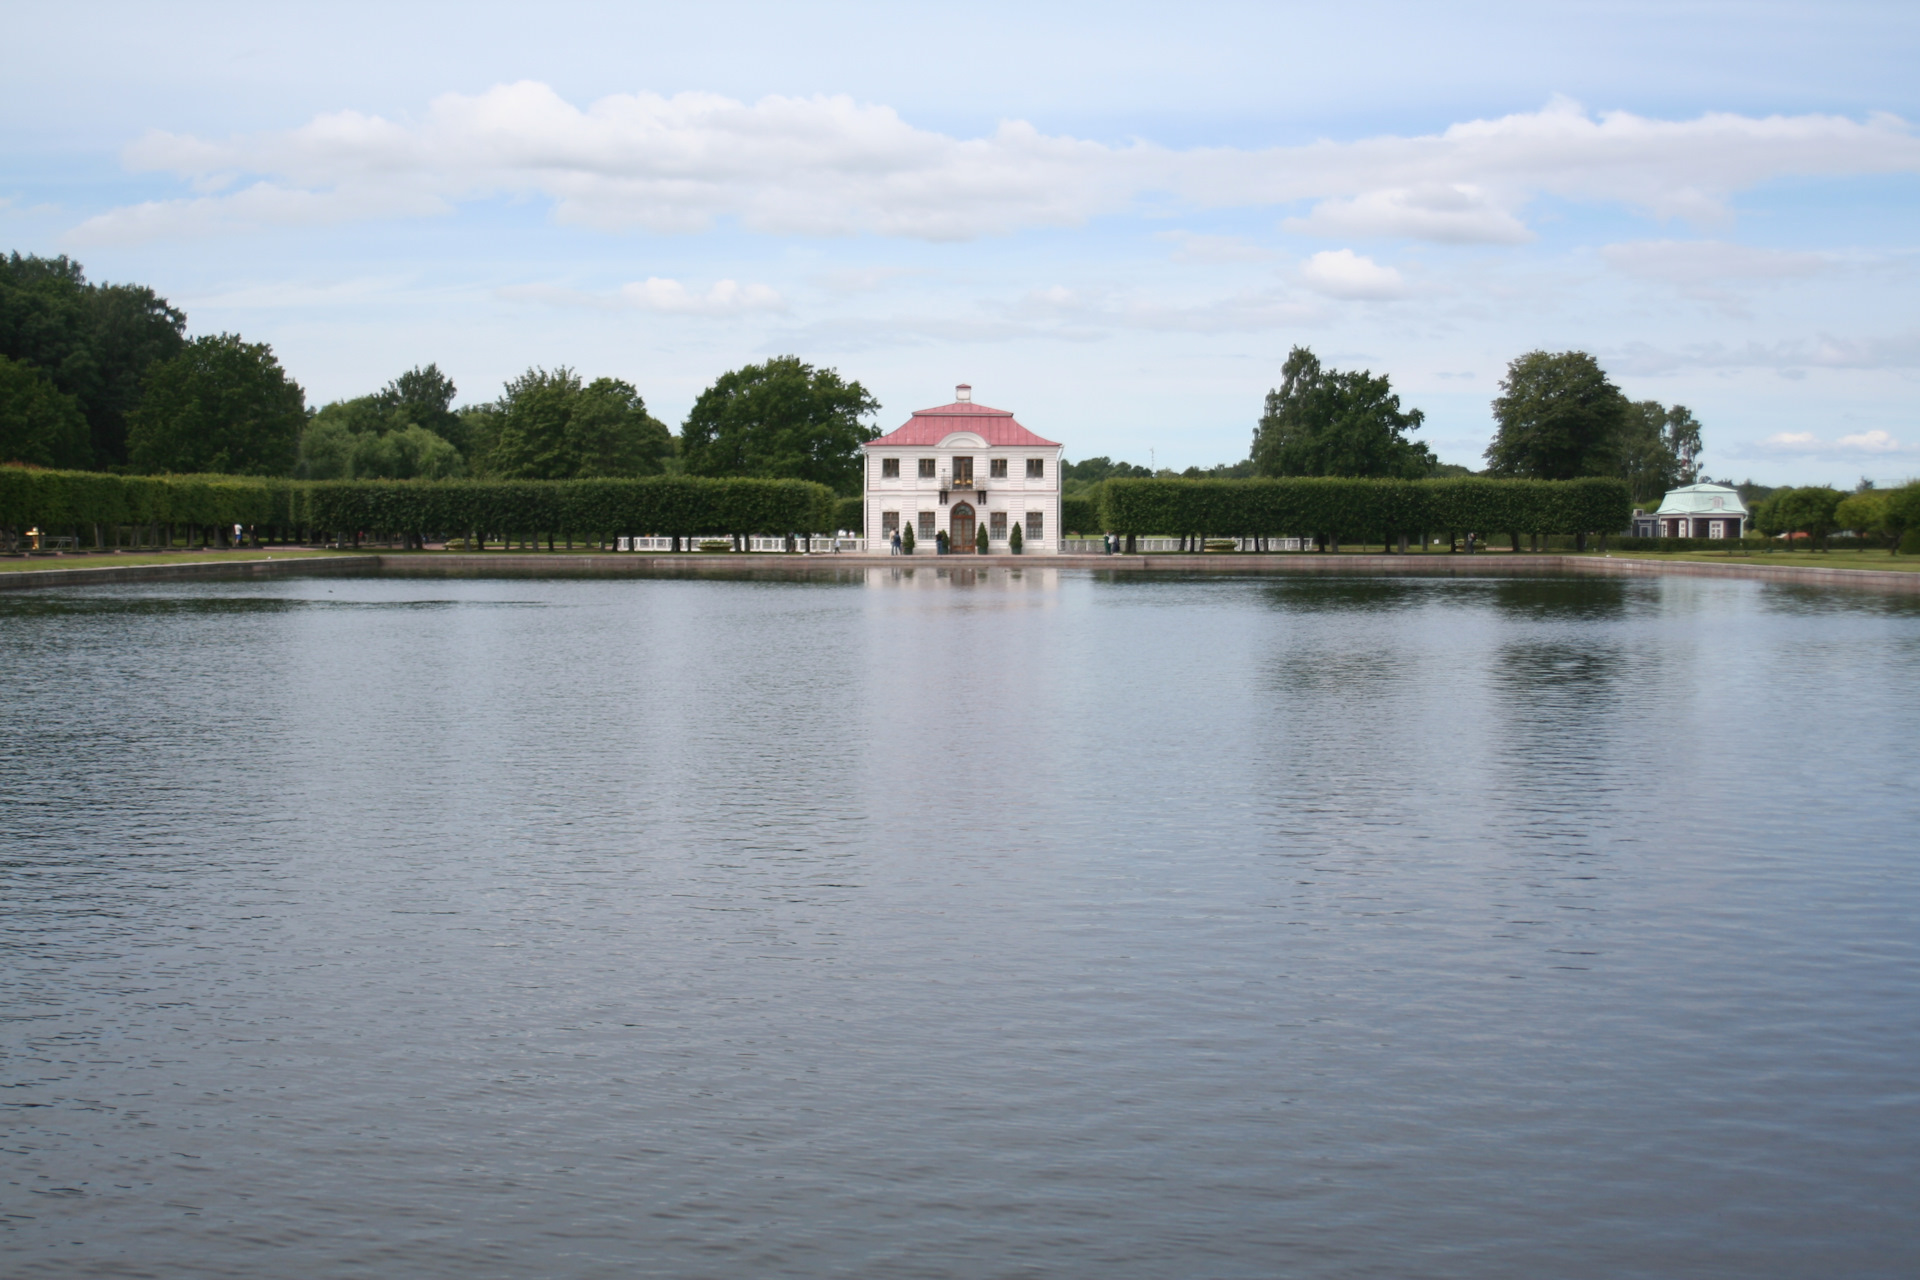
column 1876, row 559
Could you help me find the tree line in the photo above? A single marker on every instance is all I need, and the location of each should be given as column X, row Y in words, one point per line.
column 104, row 378
column 1558, row 417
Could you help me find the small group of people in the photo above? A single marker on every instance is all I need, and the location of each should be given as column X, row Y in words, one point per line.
column 1112, row 541
column 896, row 543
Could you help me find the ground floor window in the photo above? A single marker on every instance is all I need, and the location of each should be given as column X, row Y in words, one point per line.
column 1716, row 528
column 926, row 526
column 889, row 524
column 997, row 526
column 1036, row 526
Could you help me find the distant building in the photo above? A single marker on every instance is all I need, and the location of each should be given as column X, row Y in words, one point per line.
column 1695, row 511
column 958, row 468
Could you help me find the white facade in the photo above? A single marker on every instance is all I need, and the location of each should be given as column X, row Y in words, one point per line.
column 1695, row 511
column 956, row 469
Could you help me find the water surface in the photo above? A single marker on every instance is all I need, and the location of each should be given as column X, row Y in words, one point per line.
column 971, row 926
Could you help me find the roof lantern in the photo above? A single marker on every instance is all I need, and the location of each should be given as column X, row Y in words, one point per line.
column 963, row 392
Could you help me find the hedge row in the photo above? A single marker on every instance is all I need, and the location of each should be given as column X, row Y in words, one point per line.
column 681, row 506
column 677, row 506
column 57, row 499
column 1369, row 510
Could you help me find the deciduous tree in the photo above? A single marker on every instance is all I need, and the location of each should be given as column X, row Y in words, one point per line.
column 95, row 342
column 221, row 405
column 1559, row 418
column 783, row 418
column 39, row 424
column 548, row 426
column 1332, row 422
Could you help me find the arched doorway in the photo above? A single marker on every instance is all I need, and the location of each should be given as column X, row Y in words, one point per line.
column 960, row 527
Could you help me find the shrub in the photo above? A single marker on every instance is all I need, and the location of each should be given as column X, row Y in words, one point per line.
column 907, row 540
column 1015, row 539
column 980, row 540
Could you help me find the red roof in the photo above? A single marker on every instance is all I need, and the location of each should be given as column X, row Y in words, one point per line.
column 995, row 426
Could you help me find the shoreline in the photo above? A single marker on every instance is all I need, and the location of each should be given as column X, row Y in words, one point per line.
column 619, row 564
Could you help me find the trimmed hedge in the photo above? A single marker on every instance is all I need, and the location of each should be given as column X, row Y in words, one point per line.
column 1363, row 510
column 676, row 506
column 1080, row 515
column 56, row 499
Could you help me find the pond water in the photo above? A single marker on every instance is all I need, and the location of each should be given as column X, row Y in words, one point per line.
column 975, row 926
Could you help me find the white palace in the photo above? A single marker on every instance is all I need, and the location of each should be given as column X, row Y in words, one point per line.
column 956, row 468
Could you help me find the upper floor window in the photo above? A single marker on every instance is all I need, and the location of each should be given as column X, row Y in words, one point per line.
column 889, row 468
column 1036, row 468
column 997, row 468
column 926, row 468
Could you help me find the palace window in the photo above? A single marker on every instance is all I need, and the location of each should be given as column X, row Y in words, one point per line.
column 997, row 524
column 1036, row 526
column 1036, row 468
column 926, row 468
column 889, row 524
column 889, row 468
column 997, row 468
column 926, row 526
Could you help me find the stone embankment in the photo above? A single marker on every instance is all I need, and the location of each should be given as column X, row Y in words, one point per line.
column 605, row 564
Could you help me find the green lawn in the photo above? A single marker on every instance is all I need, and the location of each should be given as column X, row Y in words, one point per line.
column 121, row 560
column 1790, row 559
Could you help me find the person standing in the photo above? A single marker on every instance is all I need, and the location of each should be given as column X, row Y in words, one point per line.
column 896, row 542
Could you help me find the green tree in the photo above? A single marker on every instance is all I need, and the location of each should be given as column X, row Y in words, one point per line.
column 95, row 342
column 781, row 419
column 1332, row 422
column 221, row 405
column 1880, row 513
column 423, row 396
column 547, row 426
column 1683, row 441
column 1559, row 418
column 1647, row 461
column 1809, row 510
column 1865, row 512
column 364, row 438
column 39, row 426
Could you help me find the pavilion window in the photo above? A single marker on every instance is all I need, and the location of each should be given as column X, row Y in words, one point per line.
column 889, row 468
column 1036, row 468
column 926, row 526
column 997, row 526
column 889, row 524
column 997, row 468
column 1036, row 526
column 926, row 468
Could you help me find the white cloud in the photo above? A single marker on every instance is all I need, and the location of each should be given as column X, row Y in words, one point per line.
column 726, row 297
column 1807, row 444
column 655, row 293
column 1342, row 273
column 1449, row 213
column 1215, row 250
column 1899, row 351
column 1703, row 270
column 831, row 166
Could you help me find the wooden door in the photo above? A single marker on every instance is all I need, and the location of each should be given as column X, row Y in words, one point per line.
column 960, row 527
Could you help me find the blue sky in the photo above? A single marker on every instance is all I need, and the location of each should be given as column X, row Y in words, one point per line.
column 1114, row 219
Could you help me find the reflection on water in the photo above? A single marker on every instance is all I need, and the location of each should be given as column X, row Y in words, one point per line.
column 940, row 921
